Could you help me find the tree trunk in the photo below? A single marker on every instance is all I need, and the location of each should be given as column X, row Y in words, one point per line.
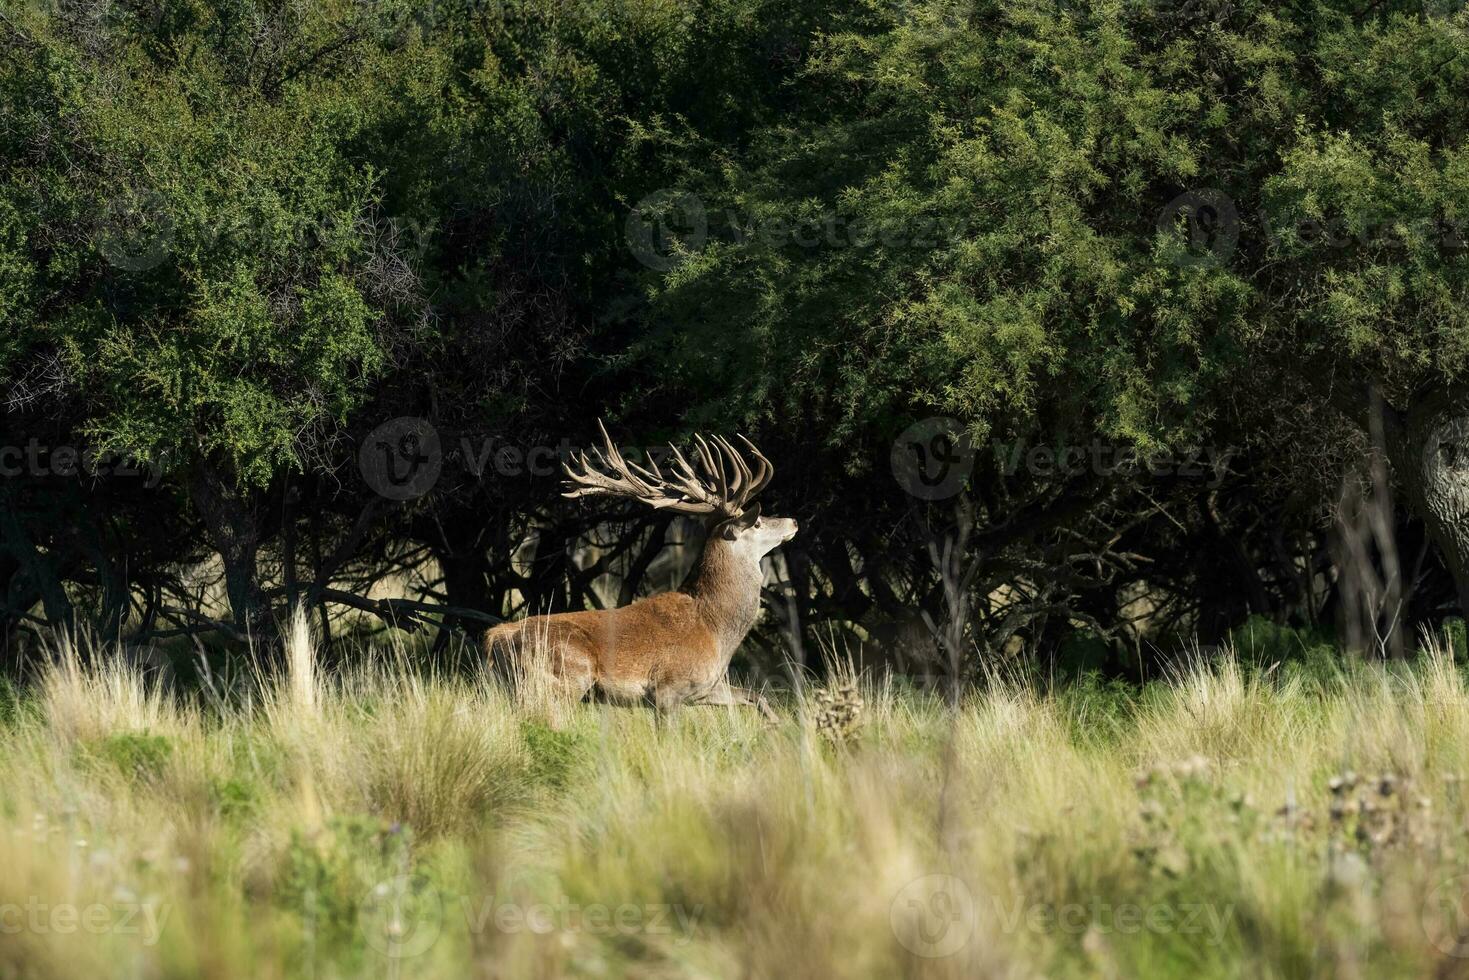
column 1428, row 445
column 547, row 590
column 456, row 537
column 38, row 567
column 10, row 613
column 230, row 523
column 467, row 584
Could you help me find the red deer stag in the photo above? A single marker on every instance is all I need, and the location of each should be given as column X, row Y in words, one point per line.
column 674, row 648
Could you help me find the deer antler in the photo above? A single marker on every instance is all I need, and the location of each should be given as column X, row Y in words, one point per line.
column 725, row 489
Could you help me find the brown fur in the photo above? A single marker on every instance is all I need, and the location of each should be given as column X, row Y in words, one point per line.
column 670, row 649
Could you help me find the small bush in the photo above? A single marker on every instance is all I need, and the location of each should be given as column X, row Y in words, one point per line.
column 554, row 754
column 9, row 701
column 1260, row 642
column 234, row 796
column 135, row 754
column 1081, row 652
column 328, row 873
column 1458, row 640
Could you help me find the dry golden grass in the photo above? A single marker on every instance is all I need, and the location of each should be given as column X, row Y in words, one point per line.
column 387, row 821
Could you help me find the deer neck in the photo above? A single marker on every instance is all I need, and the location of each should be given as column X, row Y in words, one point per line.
column 725, row 585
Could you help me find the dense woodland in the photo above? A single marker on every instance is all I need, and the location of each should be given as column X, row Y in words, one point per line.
column 1209, row 254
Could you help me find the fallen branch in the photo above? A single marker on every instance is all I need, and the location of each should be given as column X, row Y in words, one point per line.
column 203, row 624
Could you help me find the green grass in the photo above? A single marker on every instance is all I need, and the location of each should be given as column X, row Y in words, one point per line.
column 384, row 822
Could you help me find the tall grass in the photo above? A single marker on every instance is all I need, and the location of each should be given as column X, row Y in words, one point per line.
column 386, row 820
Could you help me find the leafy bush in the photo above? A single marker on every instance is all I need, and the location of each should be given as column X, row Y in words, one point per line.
column 135, row 754
column 1261, row 642
column 555, row 754
column 329, row 872
column 234, row 796
column 1081, row 652
column 1454, row 630
column 10, row 701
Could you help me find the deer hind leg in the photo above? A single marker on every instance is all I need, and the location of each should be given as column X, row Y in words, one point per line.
column 538, row 667
column 574, row 680
column 725, row 693
column 666, row 700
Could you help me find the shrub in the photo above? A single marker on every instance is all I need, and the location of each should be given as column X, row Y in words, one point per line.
column 554, row 755
column 134, row 754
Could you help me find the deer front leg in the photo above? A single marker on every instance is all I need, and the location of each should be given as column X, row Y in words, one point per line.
column 725, row 693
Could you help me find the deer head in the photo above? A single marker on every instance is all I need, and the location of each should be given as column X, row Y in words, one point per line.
column 721, row 489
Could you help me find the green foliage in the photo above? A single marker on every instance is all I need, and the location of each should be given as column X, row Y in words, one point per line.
column 555, row 755
column 229, row 247
column 234, row 797
column 999, row 179
column 1082, row 652
column 1097, row 708
column 328, row 873
column 10, row 701
column 1458, row 638
column 137, row 755
column 1263, row 643
column 240, row 233
column 203, row 255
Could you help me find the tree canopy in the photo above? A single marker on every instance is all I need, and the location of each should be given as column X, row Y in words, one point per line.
column 236, row 236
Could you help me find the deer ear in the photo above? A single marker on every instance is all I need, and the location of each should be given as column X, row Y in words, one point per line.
column 732, row 527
